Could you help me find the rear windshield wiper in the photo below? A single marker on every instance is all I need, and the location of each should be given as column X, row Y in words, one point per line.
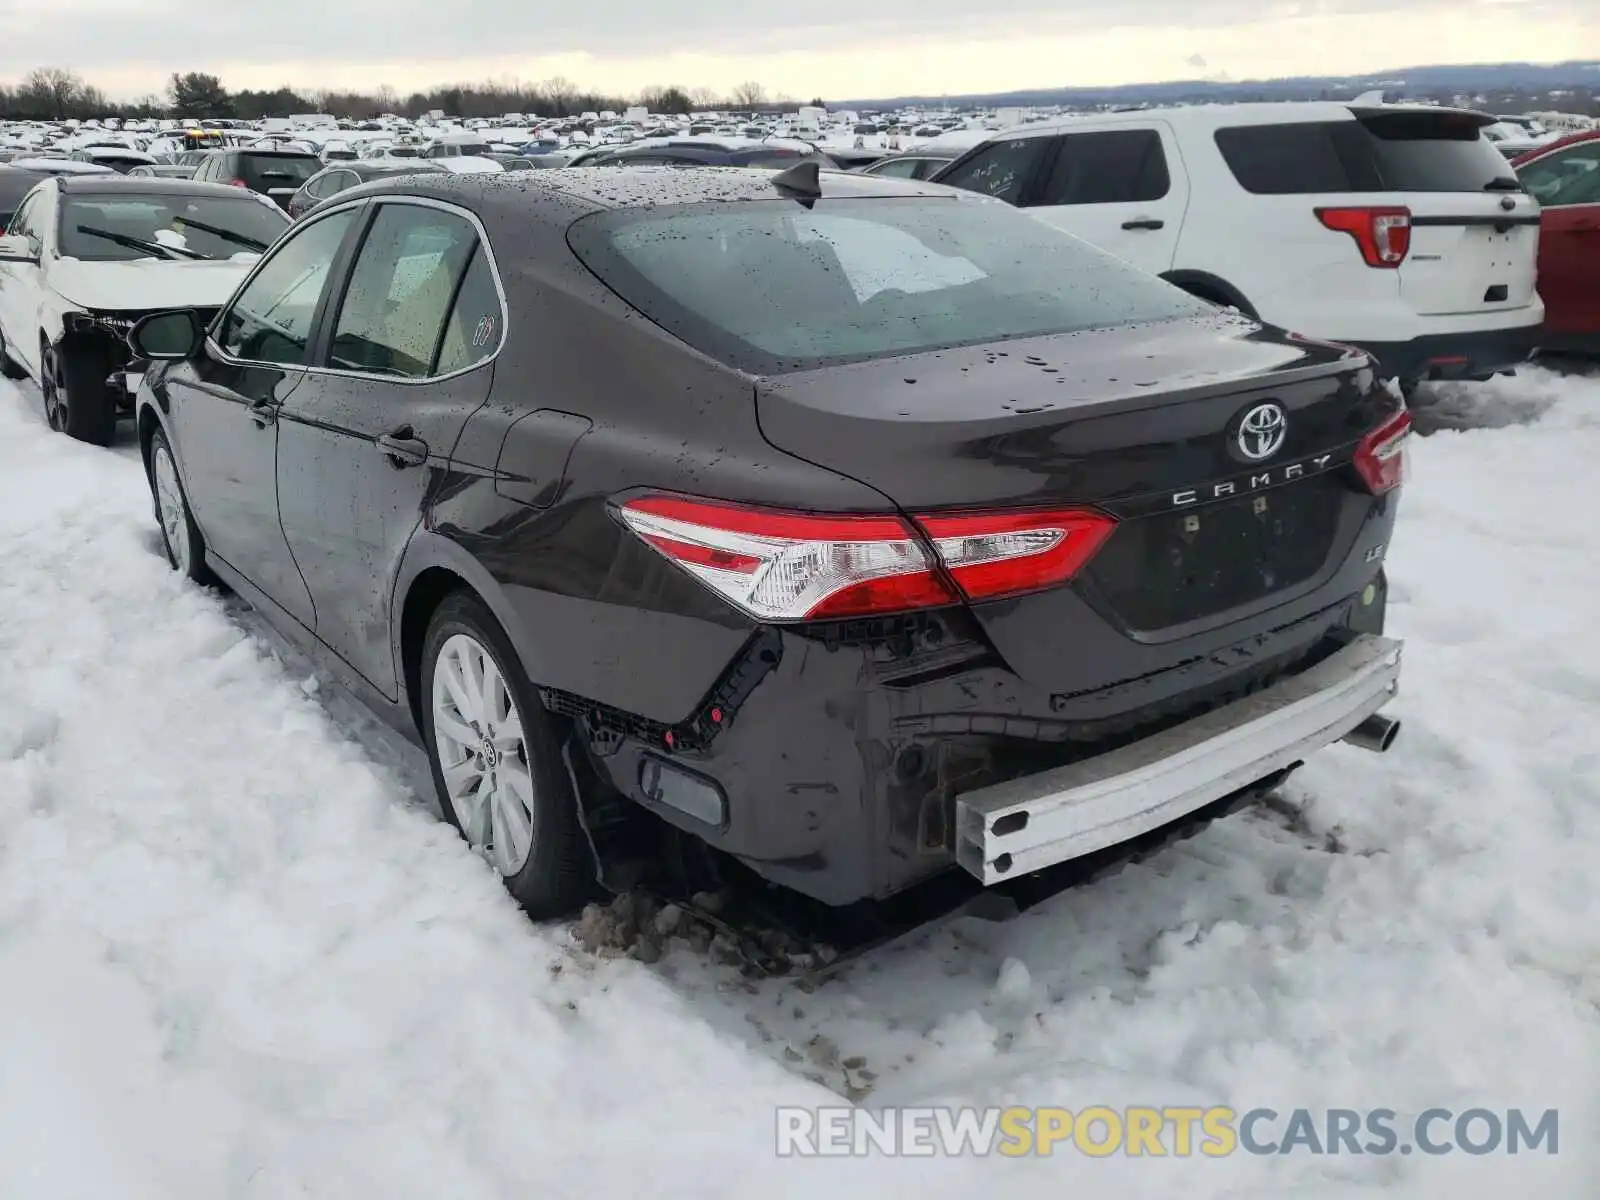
column 226, row 234
column 1503, row 185
column 133, row 243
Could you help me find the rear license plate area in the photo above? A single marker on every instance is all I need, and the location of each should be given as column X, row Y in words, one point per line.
column 1171, row 568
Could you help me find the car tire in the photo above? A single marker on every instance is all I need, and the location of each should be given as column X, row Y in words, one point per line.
column 180, row 536
column 77, row 401
column 495, row 754
column 9, row 368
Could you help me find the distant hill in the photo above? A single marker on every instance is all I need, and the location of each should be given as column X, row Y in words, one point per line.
column 1497, row 79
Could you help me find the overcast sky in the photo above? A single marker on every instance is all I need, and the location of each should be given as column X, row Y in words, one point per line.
column 799, row 47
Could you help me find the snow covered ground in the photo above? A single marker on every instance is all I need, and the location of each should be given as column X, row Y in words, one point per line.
column 239, row 957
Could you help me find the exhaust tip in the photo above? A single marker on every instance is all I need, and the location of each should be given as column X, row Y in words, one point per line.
column 1377, row 733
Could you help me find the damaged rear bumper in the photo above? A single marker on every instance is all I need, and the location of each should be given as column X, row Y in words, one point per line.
column 1036, row 821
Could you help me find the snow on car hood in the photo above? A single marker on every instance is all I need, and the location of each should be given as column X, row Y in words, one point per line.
column 146, row 284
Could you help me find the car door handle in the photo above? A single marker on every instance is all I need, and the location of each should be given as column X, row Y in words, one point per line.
column 1144, row 223
column 263, row 414
column 403, row 448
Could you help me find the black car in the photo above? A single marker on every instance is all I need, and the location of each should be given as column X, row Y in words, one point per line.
column 708, row 152
column 274, row 173
column 339, row 177
column 862, row 530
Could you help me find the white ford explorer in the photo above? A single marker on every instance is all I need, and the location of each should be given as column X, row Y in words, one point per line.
column 86, row 256
column 1396, row 228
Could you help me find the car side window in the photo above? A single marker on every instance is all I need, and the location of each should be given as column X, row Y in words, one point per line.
column 401, row 290
column 475, row 328
column 1113, row 166
column 897, row 168
column 1565, row 178
column 21, row 220
column 1001, row 169
column 270, row 320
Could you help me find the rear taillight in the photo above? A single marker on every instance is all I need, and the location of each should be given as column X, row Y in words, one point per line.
column 1380, row 457
column 1383, row 234
column 787, row 566
column 238, row 183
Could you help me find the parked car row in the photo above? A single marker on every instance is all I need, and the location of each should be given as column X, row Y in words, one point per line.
column 978, row 549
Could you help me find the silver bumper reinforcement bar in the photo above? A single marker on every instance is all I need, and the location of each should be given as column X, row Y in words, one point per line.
column 1009, row 829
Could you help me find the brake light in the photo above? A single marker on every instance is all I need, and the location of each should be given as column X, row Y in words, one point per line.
column 788, row 566
column 1383, row 234
column 1380, row 457
column 238, row 183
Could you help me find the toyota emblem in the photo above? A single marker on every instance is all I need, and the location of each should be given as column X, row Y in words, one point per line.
column 1261, row 432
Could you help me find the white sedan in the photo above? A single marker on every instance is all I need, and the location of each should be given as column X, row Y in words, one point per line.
column 87, row 255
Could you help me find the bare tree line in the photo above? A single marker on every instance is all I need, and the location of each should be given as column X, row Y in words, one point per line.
column 55, row 94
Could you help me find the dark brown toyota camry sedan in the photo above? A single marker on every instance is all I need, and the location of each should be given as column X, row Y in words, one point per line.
column 863, row 530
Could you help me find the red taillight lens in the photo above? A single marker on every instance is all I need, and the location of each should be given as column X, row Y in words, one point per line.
column 237, row 183
column 990, row 555
column 1380, row 457
column 784, row 566
column 1383, row 234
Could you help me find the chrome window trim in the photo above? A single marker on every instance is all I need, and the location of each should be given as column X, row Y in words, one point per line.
column 337, row 207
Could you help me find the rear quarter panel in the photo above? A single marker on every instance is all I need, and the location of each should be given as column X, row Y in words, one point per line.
column 597, row 613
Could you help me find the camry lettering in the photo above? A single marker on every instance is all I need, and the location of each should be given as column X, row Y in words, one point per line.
column 1265, row 479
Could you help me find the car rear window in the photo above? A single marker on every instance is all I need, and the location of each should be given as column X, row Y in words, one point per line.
column 1428, row 152
column 1404, row 151
column 771, row 286
column 263, row 171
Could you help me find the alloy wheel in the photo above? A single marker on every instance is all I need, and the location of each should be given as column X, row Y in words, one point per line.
column 483, row 757
column 171, row 509
column 53, row 386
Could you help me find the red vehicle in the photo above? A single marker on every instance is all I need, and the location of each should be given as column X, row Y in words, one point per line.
column 1565, row 178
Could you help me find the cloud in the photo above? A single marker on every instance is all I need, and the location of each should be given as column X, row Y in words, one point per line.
column 891, row 46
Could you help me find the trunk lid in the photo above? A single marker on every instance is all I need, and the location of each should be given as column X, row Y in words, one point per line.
column 1474, row 231
column 1142, row 423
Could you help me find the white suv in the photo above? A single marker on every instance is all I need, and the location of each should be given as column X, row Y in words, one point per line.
column 1396, row 228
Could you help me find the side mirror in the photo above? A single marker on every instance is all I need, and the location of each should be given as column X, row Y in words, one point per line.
column 167, row 336
column 16, row 249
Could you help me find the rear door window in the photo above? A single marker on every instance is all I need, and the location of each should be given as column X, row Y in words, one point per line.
column 1115, row 166
column 401, row 290
column 1001, row 169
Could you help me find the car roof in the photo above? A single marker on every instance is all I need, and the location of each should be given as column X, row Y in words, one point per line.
column 79, row 185
column 374, row 168
column 269, row 152
column 1207, row 117
column 624, row 187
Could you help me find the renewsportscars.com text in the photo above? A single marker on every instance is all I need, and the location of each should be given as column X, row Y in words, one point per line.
column 1159, row 1132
